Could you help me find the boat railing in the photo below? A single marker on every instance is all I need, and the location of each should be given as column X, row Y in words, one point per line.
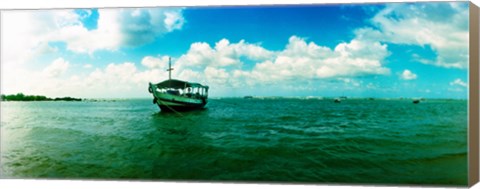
column 198, row 94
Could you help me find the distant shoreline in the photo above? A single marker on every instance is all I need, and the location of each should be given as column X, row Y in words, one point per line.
column 22, row 97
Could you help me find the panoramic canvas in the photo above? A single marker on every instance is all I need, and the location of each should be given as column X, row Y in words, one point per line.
column 339, row 93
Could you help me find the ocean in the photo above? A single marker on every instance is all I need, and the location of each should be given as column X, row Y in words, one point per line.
column 281, row 140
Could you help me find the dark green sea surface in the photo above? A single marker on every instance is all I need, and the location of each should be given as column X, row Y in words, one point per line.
column 235, row 139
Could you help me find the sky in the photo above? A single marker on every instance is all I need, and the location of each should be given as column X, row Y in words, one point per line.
column 357, row 50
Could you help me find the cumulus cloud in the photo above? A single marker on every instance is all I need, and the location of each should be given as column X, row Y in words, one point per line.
column 224, row 66
column 154, row 62
column 408, row 75
column 26, row 34
column 25, row 30
column 223, row 54
column 139, row 26
column 299, row 60
column 58, row 67
column 226, row 63
column 118, row 81
column 442, row 26
column 122, row 27
column 173, row 20
column 216, row 76
column 458, row 82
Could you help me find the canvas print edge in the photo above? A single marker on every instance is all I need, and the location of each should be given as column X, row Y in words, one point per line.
column 474, row 97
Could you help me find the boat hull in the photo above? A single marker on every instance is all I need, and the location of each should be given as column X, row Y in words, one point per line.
column 179, row 108
column 170, row 105
column 168, row 102
column 175, row 99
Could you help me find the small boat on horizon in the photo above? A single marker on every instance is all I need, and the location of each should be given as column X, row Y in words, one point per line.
column 178, row 95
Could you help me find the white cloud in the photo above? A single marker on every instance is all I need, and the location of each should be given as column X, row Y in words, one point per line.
column 458, row 82
column 122, row 27
column 223, row 67
column 26, row 34
column 153, row 62
column 58, row 67
column 22, row 31
column 223, row 54
column 300, row 60
column 225, row 63
column 443, row 26
column 216, row 76
column 350, row 82
column 51, row 80
column 116, row 81
column 408, row 75
column 174, row 20
column 139, row 26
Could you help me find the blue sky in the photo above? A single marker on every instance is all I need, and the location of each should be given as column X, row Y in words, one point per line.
column 357, row 50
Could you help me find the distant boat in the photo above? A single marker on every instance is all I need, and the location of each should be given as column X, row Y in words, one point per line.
column 248, row 97
column 177, row 95
column 416, row 101
column 337, row 100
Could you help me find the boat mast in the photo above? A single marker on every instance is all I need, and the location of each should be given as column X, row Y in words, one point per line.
column 169, row 68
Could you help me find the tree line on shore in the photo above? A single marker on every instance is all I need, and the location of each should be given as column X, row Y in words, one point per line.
column 22, row 97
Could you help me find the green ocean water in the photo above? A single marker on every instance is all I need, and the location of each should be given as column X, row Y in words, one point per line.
column 235, row 139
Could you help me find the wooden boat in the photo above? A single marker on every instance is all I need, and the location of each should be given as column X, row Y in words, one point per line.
column 178, row 95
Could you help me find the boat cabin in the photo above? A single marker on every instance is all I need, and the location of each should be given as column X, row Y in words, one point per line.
column 183, row 88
